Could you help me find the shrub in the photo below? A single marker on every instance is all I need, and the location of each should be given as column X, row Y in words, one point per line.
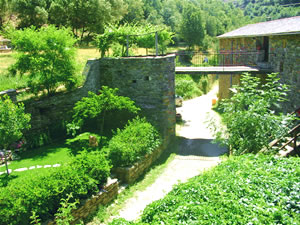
column 186, row 87
column 249, row 117
column 94, row 164
column 129, row 145
column 250, row 189
column 42, row 193
column 95, row 105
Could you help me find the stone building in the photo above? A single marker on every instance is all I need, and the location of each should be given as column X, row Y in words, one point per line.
column 273, row 45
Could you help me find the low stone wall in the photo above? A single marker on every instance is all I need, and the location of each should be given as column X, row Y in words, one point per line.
column 110, row 191
column 131, row 174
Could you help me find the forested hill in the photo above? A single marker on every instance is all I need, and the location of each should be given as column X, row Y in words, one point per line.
column 202, row 19
column 262, row 10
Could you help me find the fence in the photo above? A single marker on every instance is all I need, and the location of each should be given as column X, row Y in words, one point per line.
column 223, row 58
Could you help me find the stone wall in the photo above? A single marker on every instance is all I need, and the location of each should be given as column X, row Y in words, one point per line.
column 49, row 114
column 149, row 81
column 286, row 61
column 284, row 58
column 108, row 193
column 131, row 174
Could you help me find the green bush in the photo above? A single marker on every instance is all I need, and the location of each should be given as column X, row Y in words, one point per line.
column 43, row 193
column 186, row 87
column 250, row 189
column 94, row 164
column 250, row 119
column 129, row 145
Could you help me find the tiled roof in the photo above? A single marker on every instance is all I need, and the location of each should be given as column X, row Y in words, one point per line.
column 275, row 27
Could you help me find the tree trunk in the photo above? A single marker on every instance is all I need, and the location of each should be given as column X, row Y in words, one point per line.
column 5, row 161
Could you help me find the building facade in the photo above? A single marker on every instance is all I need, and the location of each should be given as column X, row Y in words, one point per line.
column 274, row 45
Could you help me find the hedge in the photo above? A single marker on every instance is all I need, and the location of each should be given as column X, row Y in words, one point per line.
column 43, row 193
column 129, row 145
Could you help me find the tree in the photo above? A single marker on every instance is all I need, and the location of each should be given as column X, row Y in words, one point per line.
column 47, row 56
column 31, row 13
column 91, row 16
column 13, row 121
column 135, row 12
column 97, row 105
column 3, row 11
column 192, row 29
column 249, row 116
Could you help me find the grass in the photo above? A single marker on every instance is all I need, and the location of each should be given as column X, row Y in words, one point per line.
column 58, row 153
column 104, row 213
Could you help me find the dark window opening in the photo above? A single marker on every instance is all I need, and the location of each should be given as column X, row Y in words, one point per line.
column 281, row 67
column 266, row 49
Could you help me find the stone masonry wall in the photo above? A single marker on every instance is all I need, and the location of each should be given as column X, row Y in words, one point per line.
column 48, row 114
column 149, row 81
column 284, row 58
column 286, row 61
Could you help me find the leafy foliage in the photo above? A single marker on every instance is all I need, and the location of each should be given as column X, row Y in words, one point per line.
column 191, row 27
column 136, row 140
column 64, row 213
column 94, row 164
column 13, row 121
column 187, row 88
column 43, row 193
column 95, row 105
column 265, row 9
column 250, row 189
column 47, row 56
column 249, row 115
column 141, row 36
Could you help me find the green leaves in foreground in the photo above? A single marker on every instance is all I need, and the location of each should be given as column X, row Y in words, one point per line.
column 249, row 116
column 250, row 189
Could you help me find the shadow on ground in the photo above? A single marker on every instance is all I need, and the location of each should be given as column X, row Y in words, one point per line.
column 200, row 147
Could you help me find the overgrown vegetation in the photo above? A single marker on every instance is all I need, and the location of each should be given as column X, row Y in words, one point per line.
column 191, row 86
column 42, row 193
column 95, row 106
column 13, row 121
column 250, row 189
column 132, row 143
column 262, row 10
column 250, row 117
column 118, row 38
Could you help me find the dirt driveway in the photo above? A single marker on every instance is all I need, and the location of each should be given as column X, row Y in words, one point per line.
column 195, row 155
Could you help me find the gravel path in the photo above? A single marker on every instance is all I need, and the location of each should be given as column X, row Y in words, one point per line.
column 196, row 154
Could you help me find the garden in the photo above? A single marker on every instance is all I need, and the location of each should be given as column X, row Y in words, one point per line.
column 35, row 183
column 48, row 182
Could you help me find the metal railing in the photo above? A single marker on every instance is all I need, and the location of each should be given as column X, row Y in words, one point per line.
column 222, row 58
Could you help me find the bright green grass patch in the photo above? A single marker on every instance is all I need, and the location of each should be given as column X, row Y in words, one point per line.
column 58, row 153
column 250, row 189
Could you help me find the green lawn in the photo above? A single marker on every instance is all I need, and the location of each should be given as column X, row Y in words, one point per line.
column 57, row 153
